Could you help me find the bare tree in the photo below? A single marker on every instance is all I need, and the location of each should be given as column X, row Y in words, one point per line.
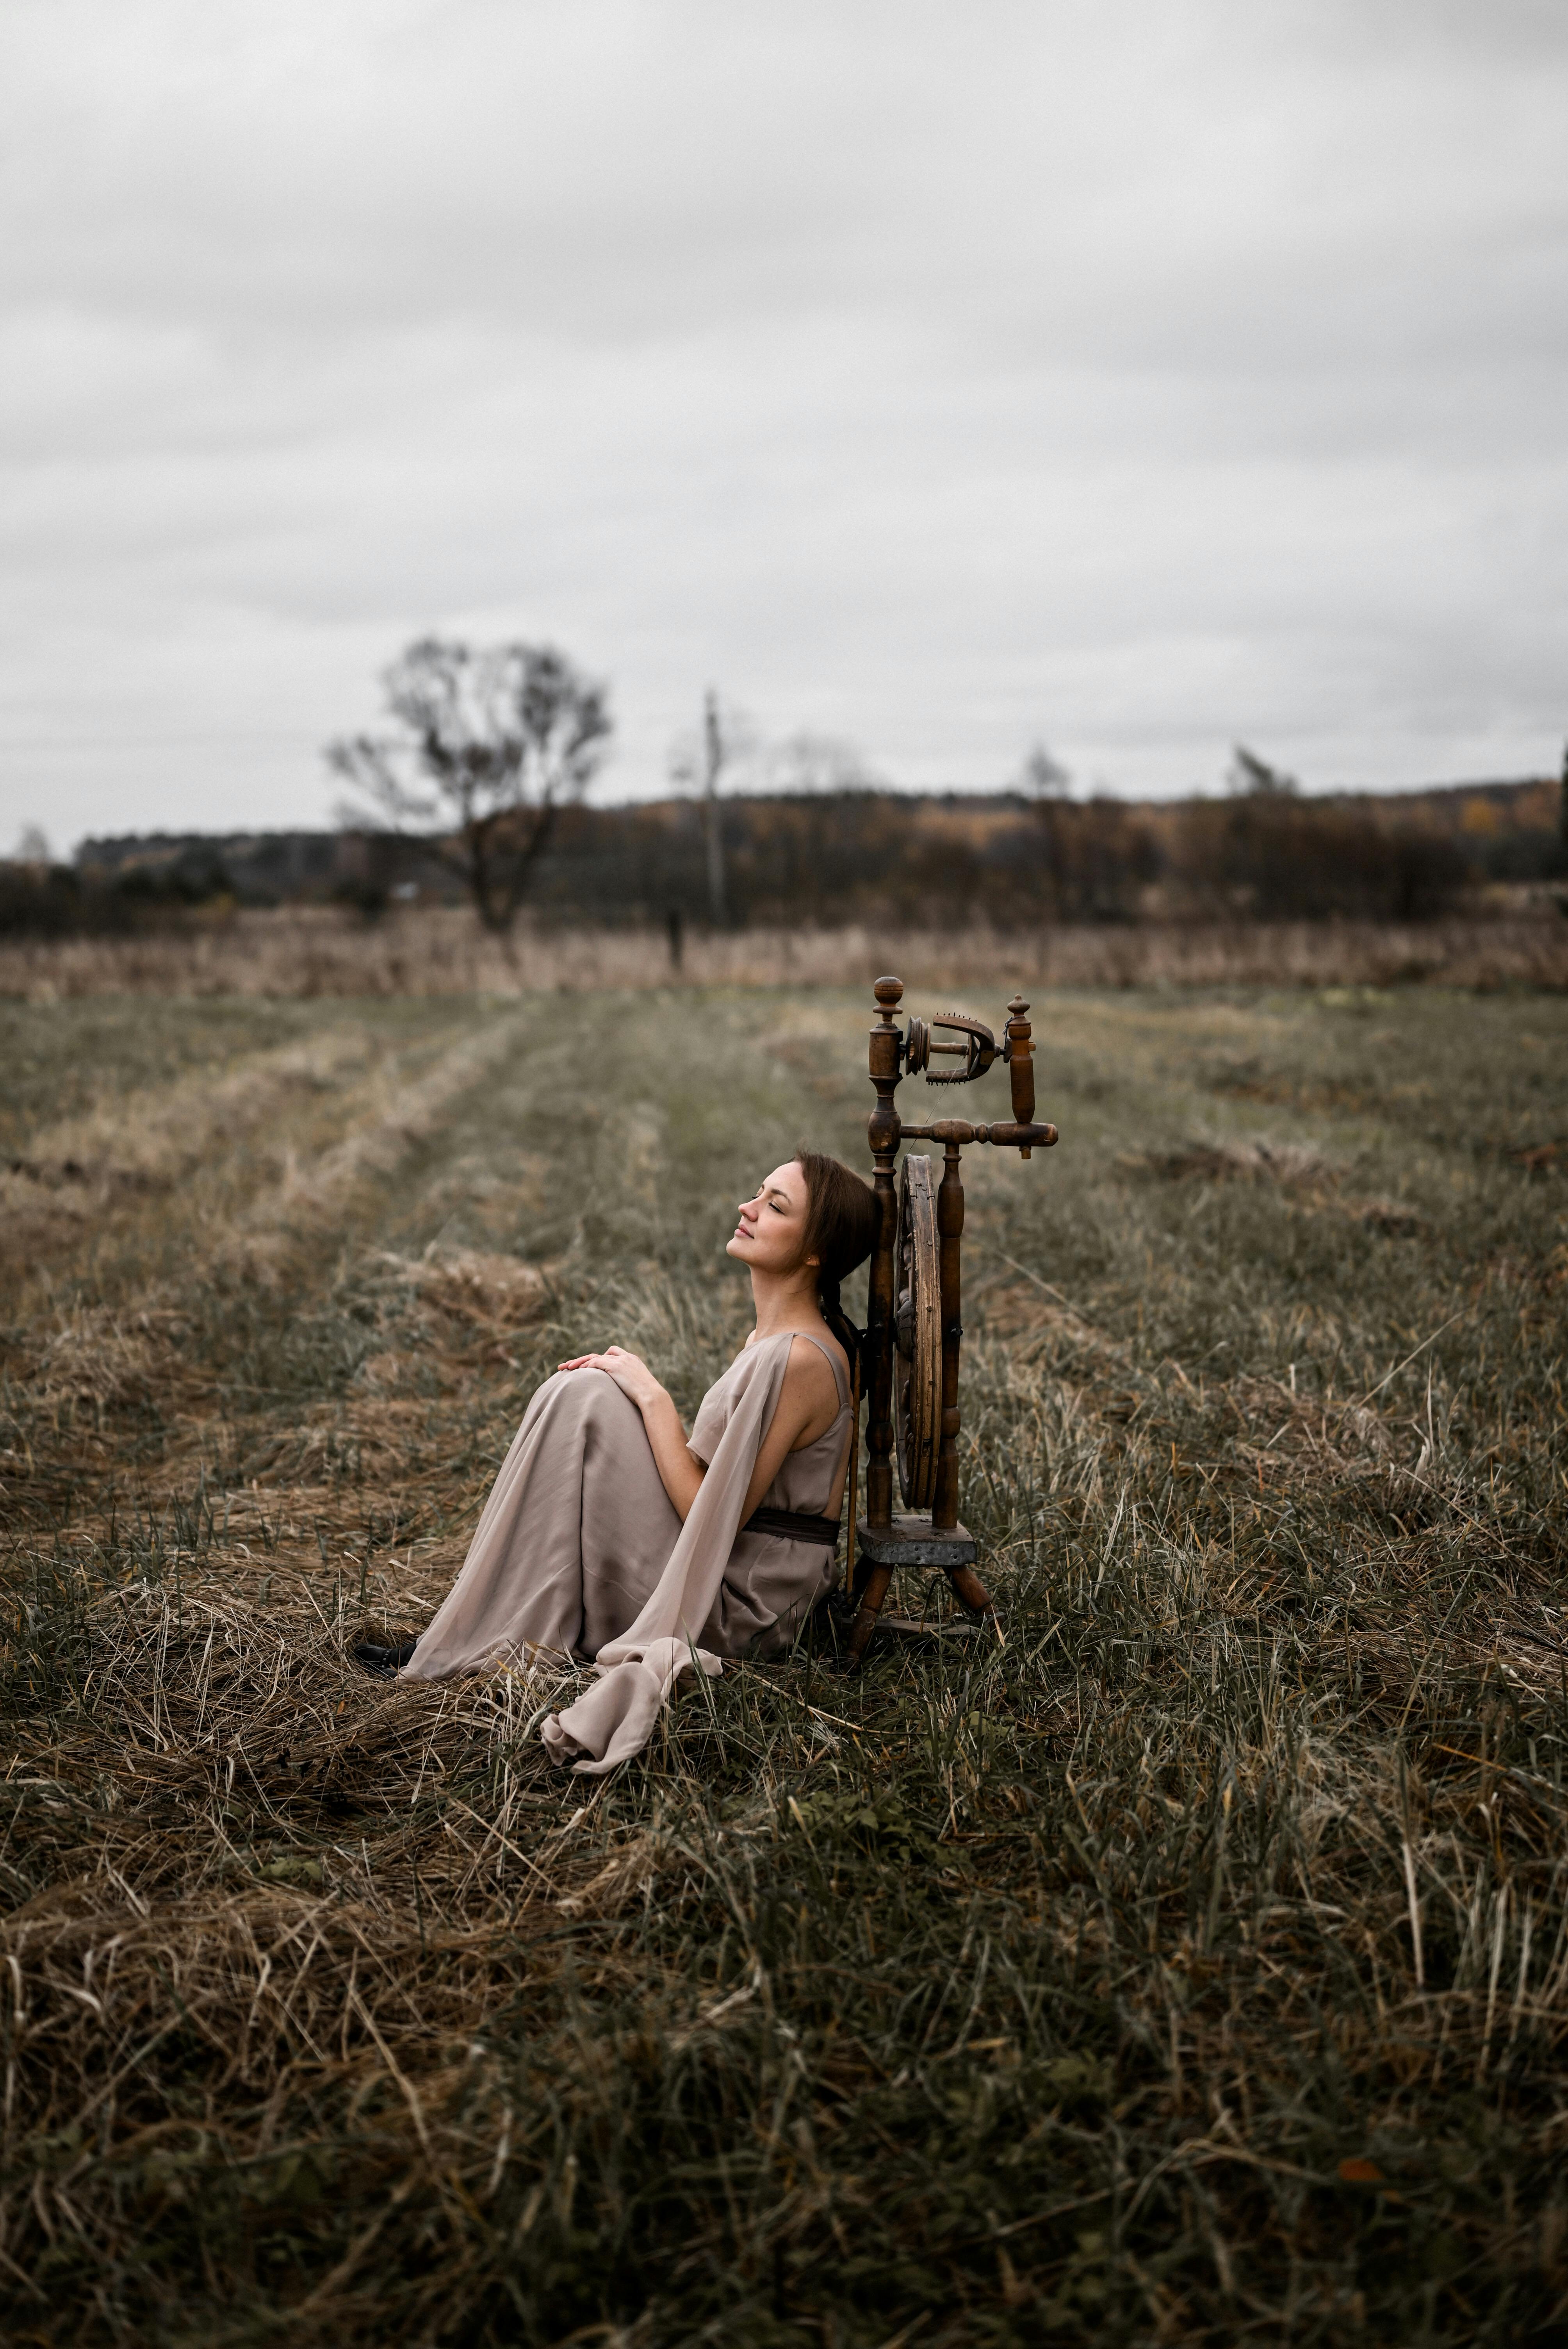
column 727, row 737
column 1047, row 782
column 816, row 763
column 494, row 740
column 1250, row 777
column 1043, row 776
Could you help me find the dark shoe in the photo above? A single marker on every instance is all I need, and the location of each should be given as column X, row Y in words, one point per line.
column 385, row 1663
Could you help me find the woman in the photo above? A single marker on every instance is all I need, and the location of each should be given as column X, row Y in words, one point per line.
column 609, row 1534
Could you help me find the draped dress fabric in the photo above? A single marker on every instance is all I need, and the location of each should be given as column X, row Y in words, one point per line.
column 579, row 1550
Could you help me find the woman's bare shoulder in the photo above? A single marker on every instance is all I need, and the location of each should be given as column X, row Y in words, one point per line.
column 812, row 1357
column 810, row 1368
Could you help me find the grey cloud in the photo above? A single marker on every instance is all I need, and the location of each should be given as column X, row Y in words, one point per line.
column 929, row 376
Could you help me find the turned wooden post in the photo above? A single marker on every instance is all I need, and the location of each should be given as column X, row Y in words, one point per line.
column 1021, row 1067
column 883, row 1131
column 949, row 1229
column 967, row 1586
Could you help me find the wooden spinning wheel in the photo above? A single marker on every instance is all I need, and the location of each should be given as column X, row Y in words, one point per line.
column 917, row 1329
column 915, row 1326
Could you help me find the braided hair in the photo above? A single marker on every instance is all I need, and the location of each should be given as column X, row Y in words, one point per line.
column 843, row 1214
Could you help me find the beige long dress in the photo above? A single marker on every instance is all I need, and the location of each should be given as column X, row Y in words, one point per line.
column 579, row 1550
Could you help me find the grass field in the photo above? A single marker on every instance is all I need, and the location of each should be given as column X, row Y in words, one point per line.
column 1189, row 1964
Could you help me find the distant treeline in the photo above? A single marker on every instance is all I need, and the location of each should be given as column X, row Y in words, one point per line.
column 871, row 857
column 163, row 881
column 879, row 856
column 59, row 901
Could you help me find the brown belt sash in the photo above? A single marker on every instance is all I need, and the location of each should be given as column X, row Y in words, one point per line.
column 794, row 1525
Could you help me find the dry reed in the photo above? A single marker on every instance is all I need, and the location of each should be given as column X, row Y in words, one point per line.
column 306, row 952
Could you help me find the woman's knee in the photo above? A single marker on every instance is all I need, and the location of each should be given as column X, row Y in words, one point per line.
column 586, row 1394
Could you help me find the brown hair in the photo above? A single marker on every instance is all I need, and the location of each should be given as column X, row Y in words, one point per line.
column 843, row 1216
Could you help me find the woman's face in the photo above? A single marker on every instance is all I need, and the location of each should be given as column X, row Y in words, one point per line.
column 771, row 1232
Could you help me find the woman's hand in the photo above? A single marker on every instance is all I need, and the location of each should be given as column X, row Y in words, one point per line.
column 630, row 1373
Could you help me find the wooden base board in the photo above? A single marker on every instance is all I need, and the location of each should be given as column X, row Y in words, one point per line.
column 912, row 1541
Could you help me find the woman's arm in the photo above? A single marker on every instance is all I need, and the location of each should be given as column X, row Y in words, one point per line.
column 807, row 1405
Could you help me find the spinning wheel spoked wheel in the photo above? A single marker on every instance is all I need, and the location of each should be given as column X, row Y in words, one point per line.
column 917, row 1328
column 917, row 1382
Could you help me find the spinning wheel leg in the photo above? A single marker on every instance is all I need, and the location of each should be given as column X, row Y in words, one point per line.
column 970, row 1591
column 964, row 1583
column 871, row 1597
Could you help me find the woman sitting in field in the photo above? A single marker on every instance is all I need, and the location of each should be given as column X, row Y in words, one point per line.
column 610, row 1535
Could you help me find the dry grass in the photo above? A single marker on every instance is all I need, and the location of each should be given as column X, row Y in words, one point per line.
column 1190, row 1966
column 311, row 951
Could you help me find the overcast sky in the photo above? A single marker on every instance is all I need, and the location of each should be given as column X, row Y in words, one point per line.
column 1133, row 375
